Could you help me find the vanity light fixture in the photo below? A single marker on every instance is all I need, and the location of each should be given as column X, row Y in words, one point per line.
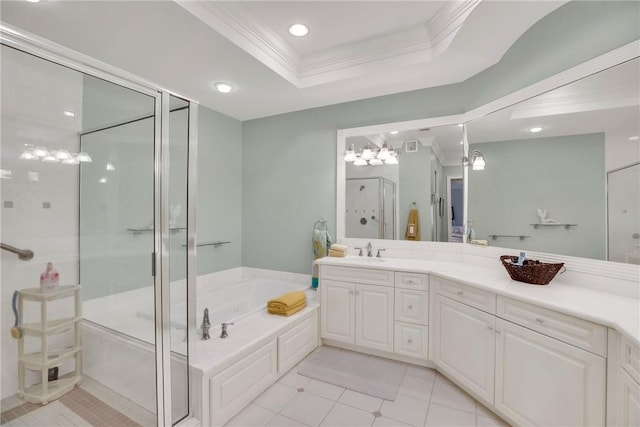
column 360, row 162
column 477, row 161
column 50, row 159
column 62, row 154
column 372, row 156
column 535, row 129
column 40, row 152
column 299, row 30
column 223, row 87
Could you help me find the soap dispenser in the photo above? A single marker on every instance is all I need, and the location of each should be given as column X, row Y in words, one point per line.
column 49, row 279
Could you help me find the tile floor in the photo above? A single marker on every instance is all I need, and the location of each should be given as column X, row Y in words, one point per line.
column 425, row 398
column 90, row 404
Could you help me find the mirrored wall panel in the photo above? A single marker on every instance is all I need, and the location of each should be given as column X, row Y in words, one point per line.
column 558, row 173
column 404, row 185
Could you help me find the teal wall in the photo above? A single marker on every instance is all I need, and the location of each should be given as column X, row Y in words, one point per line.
column 219, row 190
column 288, row 161
column 564, row 175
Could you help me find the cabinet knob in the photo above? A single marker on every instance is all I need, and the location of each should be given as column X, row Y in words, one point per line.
column 497, row 331
column 409, row 341
column 490, row 328
column 539, row 321
column 409, row 307
column 351, row 292
column 460, row 293
column 409, row 281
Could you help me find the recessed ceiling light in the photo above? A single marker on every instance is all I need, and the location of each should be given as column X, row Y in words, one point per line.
column 223, row 87
column 69, row 114
column 299, row 30
column 634, row 138
column 394, row 132
column 535, row 129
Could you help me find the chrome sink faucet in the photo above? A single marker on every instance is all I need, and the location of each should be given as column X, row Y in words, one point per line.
column 223, row 333
column 369, row 250
column 205, row 325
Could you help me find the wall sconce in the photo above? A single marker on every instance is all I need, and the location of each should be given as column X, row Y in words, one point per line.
column 372, row 156
column 477, row 161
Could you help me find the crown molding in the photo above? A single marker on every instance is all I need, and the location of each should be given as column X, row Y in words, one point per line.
column 414, row 45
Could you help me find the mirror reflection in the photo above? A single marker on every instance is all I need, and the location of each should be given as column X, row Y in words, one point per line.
column 405, row 185
column 560, row 172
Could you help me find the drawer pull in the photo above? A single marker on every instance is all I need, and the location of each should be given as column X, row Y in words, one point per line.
column 497, row 332
column 539, row 321
column 409, row 341
column 460, row 293
column 409, row 307
column 409, row 281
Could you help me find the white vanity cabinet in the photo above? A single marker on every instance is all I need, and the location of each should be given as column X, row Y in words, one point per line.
column 536, row 367
column 411, row 314
column 463, row 345
column 357, row 306
column 623, row 382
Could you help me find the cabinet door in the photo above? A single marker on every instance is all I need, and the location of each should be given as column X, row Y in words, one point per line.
column 628, row 403
column 374, row 317
column 463, row 343
column 412, row 306
column 541, row 381
column 337, row 310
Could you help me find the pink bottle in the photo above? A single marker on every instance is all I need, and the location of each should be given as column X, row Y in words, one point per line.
column 49, row 279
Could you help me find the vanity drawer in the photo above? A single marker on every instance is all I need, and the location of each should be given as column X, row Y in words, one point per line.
column 415, row 281
column 357, row 275
column 630, row 358
column 482, row 300
column 571, row 330
column 411, row 340
column 411, row 306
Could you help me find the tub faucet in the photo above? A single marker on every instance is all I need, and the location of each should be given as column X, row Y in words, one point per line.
column 205, row 325
column 369, row 250
column 224, row 333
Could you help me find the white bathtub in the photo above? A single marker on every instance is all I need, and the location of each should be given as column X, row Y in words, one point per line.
column 118, row 332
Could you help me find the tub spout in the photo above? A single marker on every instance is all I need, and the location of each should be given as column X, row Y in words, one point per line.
column 224, row 333
column 205, row 325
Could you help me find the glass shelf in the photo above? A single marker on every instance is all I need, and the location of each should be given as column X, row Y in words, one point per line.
column 138, row 231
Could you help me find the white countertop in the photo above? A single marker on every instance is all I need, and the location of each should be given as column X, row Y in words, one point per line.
column 617, row 312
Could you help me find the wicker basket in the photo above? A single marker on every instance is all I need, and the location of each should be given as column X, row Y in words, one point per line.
column 533, row 272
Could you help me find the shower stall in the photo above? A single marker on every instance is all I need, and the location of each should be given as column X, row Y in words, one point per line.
column 370, row 208
column 97, row 170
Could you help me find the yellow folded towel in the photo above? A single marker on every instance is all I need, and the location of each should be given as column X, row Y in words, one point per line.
column 289, row 311
column 337, row 253
column 288, row 303
column 338, row 247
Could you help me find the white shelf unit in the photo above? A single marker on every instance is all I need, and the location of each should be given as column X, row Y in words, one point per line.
column 46, row 358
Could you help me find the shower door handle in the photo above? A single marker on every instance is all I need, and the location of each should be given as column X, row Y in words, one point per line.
column 153, row 264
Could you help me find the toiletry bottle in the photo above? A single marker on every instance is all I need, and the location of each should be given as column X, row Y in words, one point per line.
column 49, row 278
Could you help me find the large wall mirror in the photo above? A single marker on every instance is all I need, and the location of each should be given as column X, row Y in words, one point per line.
column 404, row 185
column 571, row 188
column 561, row 170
